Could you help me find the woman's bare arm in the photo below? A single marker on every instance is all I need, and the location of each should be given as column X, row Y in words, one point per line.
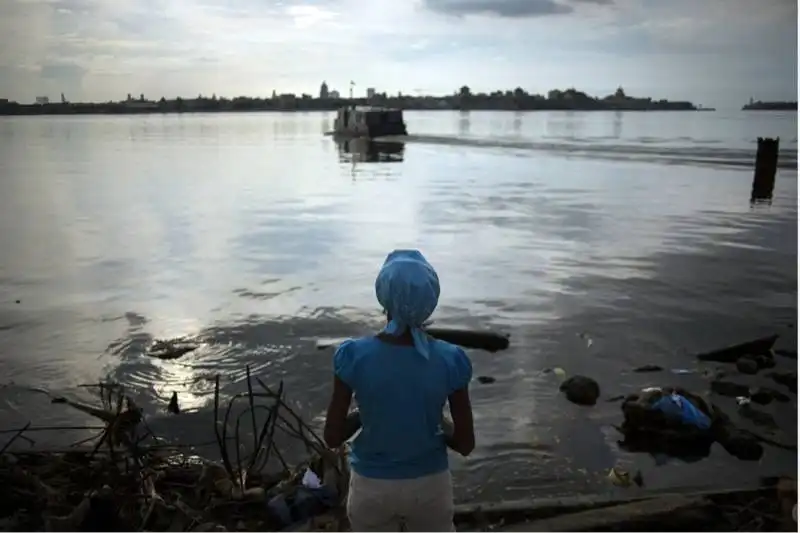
column 462, row 439
column 335, row 420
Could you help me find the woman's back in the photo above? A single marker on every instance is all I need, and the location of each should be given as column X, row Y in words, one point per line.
column 401, row 397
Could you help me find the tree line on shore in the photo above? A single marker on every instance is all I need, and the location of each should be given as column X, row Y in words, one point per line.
column 510, row 100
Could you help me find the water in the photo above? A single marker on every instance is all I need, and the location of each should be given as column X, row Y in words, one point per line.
column 253, row 233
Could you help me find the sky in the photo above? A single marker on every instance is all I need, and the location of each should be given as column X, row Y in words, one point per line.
column 711, row 52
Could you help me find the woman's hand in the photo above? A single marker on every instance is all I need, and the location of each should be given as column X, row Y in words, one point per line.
column 462, row 435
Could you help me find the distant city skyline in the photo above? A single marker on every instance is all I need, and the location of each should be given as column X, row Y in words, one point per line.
column 712, row 52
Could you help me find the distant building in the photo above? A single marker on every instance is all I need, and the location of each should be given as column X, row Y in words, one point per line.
column 334, row 94
column 323, row 91
column 370, row 92
column 42, row 100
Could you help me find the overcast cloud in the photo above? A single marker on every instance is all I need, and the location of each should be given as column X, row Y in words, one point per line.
column 713, row 52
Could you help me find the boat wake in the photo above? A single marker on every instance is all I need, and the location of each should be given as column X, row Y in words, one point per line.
column 691, row 155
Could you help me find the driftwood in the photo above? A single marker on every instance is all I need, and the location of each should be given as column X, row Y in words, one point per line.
column 479, row 340
column 732, row 353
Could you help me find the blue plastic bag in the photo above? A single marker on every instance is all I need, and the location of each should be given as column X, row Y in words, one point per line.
column 678, row 406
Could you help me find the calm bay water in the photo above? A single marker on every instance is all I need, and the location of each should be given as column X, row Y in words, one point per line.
column 255, row 234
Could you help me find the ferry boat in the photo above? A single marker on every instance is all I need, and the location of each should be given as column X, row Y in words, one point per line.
column 369, row 122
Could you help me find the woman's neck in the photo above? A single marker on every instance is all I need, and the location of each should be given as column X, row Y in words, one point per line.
column 405, row 338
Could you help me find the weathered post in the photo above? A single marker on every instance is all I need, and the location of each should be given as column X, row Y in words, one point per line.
column 766, row 168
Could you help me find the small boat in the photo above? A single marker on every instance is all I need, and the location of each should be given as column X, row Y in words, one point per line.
column 370, row 122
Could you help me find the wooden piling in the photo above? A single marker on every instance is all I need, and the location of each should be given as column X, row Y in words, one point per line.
column 765, row 169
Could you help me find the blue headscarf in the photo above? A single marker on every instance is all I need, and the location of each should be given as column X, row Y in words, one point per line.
column 408, row 289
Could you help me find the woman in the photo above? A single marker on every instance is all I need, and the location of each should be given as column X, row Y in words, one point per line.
column 401, row 379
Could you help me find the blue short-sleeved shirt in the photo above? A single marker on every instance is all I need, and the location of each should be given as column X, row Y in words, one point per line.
column 400, row 395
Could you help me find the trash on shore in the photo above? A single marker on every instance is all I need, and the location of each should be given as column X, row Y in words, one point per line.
column 622, row 478
column 128, row 480
column 677, row 423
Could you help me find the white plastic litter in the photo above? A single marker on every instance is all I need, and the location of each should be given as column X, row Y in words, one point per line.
column 742, row 400
column 311, row 480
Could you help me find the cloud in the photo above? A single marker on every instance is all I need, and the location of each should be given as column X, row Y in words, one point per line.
column 501, row 8
column 509, row 8
column 714, row 51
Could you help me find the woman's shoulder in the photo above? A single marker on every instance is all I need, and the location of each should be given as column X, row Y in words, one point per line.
column 357, row 347
column 349, row 354
column 451, row 353
column 457, row 363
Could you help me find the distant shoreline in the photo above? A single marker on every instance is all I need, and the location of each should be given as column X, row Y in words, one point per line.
column 770, row 106
column 464, row 100
column 213, row 111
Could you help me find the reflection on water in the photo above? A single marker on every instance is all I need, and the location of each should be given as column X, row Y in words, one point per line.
column 362, row 150
column 463, row 123
column 516, row 126
column 617, row 124
column 247, row 234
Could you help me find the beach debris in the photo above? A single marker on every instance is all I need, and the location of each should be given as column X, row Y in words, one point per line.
column 586, row 338
column 622, row 478
column 787, row 379
column 171, row 348
column 738, row 443
column 791, row 354
column 764, row 395
column 485, row 379
column 616, row 398
column 144, row 484
column 489, row 341
column 648, row 368
column 619, row 477
column 731, row 354
column 758, row 417
column 747, row 365
column 729, row 388
column 173, row 406
column 581, row 390
column 668, row 421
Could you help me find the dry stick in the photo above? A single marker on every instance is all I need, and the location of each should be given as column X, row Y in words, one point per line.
column 221, row 438
column 269, row 426
column 15, row 437
column 268, row 431
column 272, row 446
column 252, row 408
column 83, row 441
column 225, row 426
column 302, row 425
column 239, row 477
